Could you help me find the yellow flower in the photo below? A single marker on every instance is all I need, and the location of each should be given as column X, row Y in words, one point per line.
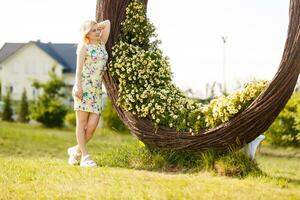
column 141, row 144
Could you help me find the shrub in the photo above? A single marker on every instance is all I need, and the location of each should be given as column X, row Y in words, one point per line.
column 24, row 109
column 49, row 108
column 7, row 114
column 235, row 164
column 0, row 91
column 140, row 156
column 285, row 130
column 70, row 118
column 111, row 118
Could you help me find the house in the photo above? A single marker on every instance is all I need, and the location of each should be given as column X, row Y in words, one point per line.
column 20, row 63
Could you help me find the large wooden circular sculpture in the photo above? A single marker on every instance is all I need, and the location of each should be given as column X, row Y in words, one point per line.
column 243, row 128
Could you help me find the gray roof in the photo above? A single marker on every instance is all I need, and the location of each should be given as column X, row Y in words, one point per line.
column 63, row 53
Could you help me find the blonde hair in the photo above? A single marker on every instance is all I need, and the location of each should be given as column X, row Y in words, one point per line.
column 85, row 29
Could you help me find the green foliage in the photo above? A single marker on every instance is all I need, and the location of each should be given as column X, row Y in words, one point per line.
column 223, row 108
column 136, row 29
column 111, row 118
column 0, row 91
column 235, row 164
column 7, row 111
column 49, row 109
column 286, row 128
column 140, row 156
column 145, row 81
column 70, row 118
column 24, row 108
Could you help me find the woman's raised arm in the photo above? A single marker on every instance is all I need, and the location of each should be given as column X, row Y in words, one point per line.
column 105, row 26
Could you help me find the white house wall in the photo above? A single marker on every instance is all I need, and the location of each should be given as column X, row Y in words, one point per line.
column 69, row 78
column 26, row 64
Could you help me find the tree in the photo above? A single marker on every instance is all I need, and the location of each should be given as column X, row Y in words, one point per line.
column 7, row 112
column 0, row 90
column 24, row 108
column 49, row 108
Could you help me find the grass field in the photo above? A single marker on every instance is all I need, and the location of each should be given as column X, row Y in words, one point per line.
column 33, row 166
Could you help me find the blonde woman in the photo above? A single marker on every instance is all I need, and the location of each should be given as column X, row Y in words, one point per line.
column 87, row 90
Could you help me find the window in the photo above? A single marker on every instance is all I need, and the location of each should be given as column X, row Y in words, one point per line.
column 46, row 69
column 26, row 69
column 33, row 67
column 15, row 68
column 29, row 68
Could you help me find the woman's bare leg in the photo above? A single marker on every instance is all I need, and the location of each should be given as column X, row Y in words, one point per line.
column 91, row 125
column 81, row 123
column 90, row 128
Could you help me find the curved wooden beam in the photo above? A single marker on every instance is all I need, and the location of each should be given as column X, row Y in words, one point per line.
column 238, row 131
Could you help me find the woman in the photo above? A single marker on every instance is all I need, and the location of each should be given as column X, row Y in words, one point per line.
column 91, row 63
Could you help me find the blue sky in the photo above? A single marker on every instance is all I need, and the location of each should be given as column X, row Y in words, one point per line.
column 191, row 34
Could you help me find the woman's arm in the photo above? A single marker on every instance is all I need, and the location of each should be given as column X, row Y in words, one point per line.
column 81, row 51
column 105, row 26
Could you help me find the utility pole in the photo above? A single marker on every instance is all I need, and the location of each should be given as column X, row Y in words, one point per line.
column 224, row 40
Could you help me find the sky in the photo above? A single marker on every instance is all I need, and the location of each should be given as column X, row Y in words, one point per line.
column 191, row 32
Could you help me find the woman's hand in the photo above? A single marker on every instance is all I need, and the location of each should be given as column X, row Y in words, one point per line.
column 105, row 30
column 77, row 91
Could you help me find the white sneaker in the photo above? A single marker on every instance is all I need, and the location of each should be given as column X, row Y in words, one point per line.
column 73, row 156
column 86, row 161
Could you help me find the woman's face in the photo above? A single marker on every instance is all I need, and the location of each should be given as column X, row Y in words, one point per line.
column 95, row 33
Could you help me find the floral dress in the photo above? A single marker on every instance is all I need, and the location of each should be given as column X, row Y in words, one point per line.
column 91, row 79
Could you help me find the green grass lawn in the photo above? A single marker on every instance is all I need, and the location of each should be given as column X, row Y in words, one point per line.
column 33, row 165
